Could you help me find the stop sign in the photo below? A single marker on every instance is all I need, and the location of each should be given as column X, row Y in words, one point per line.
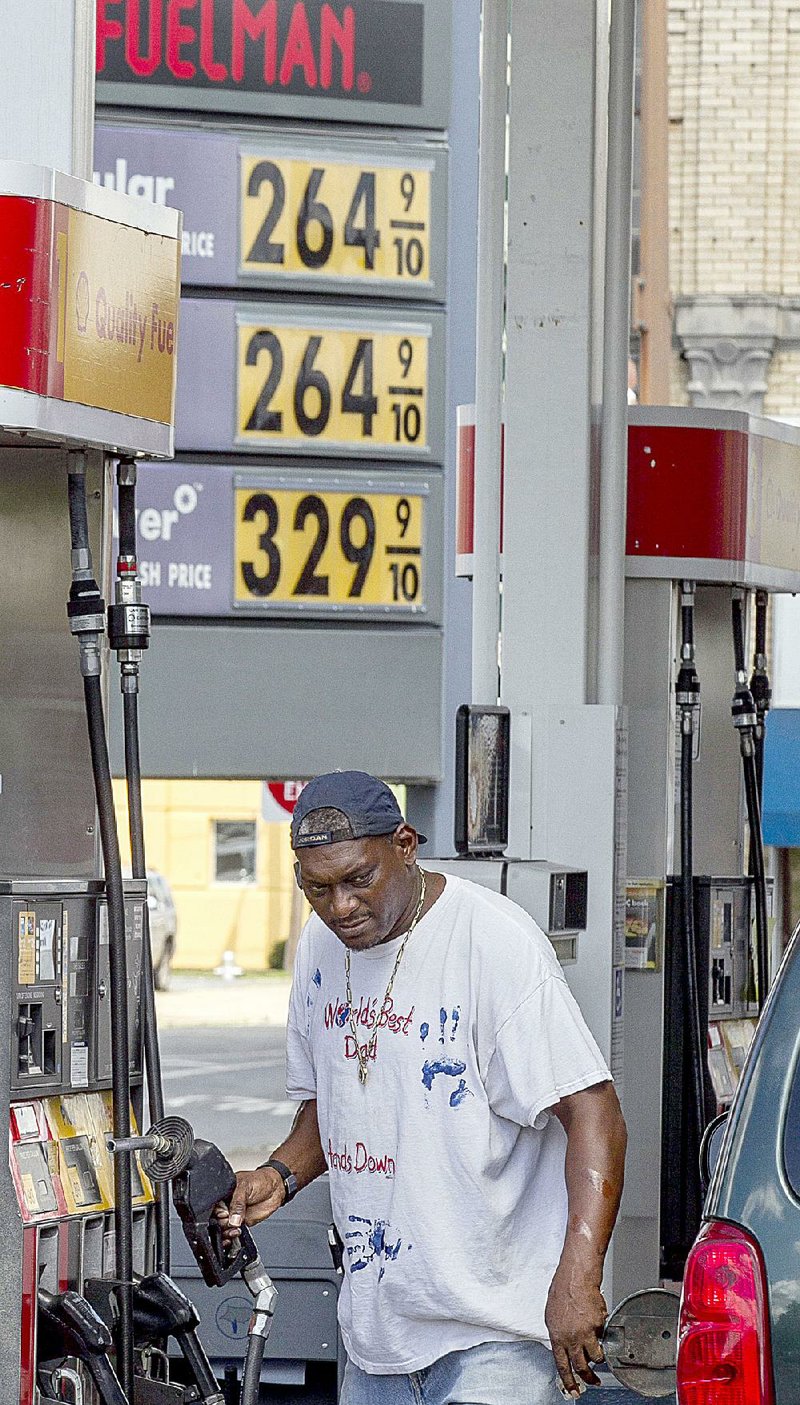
column 285, row 793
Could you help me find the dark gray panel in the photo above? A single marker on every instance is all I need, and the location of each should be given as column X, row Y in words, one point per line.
column 47, row 807
column 249, row 701
column 390, row 64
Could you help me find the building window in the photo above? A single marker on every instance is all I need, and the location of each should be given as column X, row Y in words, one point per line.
column 234, row 851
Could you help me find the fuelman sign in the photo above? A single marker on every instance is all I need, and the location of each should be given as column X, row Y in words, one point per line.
column 305, row 58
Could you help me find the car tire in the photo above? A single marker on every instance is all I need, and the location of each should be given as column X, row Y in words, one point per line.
column 163, row 969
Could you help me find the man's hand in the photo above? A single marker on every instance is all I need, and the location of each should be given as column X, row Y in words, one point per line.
column 575, row 1316
column 258, row 1195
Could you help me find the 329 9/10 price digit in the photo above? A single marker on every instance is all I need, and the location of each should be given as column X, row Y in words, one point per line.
column 351, row 523
column 310, row 582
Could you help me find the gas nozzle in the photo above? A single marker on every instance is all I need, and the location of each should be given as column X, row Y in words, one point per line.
column 68, row 1325
column 206, row 1180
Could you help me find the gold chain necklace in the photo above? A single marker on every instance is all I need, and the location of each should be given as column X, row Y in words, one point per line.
column 372, row 1044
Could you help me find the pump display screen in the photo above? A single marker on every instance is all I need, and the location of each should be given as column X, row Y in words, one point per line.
column 320, row 216
column 319, row 546
column 347, row 384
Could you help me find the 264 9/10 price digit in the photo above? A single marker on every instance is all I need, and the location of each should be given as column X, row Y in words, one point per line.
column 315, row 224
column 313, row 394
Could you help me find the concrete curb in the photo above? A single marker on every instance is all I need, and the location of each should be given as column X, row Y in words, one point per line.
column 205, row 1001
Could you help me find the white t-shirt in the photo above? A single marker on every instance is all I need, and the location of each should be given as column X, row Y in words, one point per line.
column 446, row 1170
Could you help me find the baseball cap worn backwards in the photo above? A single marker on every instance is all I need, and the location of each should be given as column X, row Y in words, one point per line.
column 364, row 803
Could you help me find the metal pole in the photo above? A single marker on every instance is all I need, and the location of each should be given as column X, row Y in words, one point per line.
column 654, row 307
column 489, row 349
column 614, row 432
column 83, row 65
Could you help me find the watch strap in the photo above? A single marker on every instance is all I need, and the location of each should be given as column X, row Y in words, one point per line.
column 288, row 1177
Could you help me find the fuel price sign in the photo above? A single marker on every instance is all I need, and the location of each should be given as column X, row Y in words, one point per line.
column 335, row 384
column 330, row 545
column 357, row 215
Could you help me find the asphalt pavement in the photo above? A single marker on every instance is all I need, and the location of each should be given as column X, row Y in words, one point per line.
column 224, row 1070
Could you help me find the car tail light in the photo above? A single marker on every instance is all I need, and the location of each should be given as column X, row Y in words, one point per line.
column 723, row 1335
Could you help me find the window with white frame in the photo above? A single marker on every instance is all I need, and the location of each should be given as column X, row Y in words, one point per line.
column 234, row 851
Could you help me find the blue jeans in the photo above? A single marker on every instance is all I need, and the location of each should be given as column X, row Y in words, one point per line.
column 495, row 1373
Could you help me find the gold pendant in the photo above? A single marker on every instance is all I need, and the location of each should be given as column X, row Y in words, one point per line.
column 362, row 1073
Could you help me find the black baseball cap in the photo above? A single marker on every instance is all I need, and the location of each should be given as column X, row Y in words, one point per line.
column 367, row 805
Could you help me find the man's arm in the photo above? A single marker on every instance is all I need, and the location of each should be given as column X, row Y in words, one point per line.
column 260, row 1193
column 576, row 1311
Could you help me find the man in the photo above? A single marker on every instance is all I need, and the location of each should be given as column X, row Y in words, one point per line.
column 473, row 1136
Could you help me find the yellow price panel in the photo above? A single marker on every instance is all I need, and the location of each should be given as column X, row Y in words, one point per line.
column 325, row 217
column 324, row 547
column 344, row 386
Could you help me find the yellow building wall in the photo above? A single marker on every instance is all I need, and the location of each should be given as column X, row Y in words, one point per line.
column 247, row 919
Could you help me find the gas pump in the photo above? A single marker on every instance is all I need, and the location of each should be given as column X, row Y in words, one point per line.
column 89, row 306
column 711, row 498
column 90, row 291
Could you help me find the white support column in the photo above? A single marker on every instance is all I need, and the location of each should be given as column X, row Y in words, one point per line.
column 489, row 349
column 83, row 67
column 47, row 94
column 548, row 381
column 616, row 340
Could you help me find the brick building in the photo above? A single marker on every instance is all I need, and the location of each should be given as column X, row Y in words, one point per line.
column 734, row 152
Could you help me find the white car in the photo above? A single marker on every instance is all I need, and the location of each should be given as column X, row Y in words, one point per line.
column 163, row 926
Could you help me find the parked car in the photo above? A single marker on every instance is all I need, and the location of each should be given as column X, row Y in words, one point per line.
column 739, row 1331
column 163, row 926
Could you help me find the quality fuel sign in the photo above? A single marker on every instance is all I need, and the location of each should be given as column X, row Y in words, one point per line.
column 88, row 305
column 117, row 295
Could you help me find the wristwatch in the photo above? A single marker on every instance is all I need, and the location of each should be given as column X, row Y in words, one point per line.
column 288, row 1177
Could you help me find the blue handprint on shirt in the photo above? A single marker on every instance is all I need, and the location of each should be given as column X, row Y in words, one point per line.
column 370, row 1244
column 451, row 1068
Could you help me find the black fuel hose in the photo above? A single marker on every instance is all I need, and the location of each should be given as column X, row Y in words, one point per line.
column 697, row 1047
column 126, row 508
column 251, row 1377
column 126, row 512
column 152, row 1051
column 759, row 875
column 86, row 614
column 760, row 685
column 745, row 719
column 78, row 516
column 120, row 1065
column 737, row 622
